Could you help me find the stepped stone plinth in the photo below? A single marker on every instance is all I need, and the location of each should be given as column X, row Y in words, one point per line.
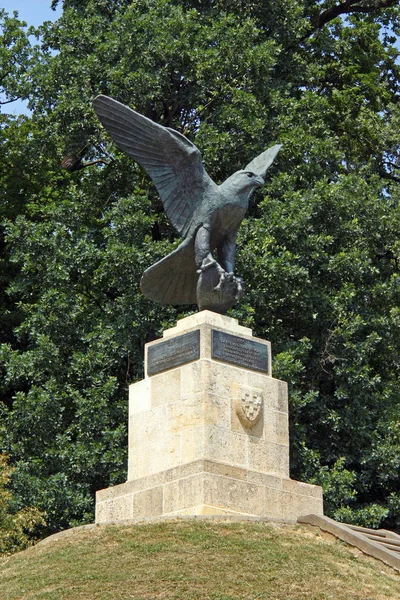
column 208, row 430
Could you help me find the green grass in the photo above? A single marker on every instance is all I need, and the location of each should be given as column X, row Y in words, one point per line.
column 196, row 560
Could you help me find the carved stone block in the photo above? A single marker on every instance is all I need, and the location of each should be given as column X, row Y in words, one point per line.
column 208, row 435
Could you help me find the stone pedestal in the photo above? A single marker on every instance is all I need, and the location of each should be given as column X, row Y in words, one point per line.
column 208, row 430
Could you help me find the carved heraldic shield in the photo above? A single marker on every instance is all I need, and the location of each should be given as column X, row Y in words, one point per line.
column 249, row 406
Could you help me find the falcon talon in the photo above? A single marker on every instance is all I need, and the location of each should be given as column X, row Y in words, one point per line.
column 207, row 265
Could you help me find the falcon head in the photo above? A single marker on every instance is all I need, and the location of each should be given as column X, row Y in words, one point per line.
column 250, row 179
column 243, row 183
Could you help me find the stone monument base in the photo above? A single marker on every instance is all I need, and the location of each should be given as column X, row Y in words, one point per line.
column 205, row 487
column 208, row 431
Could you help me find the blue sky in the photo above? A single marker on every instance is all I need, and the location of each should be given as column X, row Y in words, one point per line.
column 34, row 12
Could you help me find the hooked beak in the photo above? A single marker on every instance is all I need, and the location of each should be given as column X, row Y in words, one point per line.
column 259, row 180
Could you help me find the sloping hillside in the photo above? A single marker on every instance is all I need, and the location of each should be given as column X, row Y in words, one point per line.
column 196, row 560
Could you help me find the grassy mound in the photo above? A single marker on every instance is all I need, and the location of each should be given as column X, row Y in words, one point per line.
column 196, row 560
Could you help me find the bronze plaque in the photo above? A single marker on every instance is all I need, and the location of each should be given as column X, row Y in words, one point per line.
column 173, row 352
column 239, row 351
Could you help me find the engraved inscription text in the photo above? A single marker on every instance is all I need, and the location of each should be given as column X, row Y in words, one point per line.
column 240, row 351
column 172, row 353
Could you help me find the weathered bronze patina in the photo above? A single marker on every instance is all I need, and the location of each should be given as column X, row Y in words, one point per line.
column 206, row 215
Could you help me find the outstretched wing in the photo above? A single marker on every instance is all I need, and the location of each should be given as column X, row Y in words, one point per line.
column 260, row 164
column 171, row 160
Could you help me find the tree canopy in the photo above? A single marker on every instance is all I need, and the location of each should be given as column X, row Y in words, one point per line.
column 319, row 249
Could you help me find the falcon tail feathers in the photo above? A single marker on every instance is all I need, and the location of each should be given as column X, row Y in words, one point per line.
column 173, row 279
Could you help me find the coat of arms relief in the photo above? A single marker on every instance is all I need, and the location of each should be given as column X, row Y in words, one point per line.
column 249, row 405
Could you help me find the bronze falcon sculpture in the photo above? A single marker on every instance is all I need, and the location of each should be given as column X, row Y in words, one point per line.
column 206, row 215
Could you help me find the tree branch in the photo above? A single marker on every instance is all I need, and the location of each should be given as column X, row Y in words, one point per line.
column 392, row 164
column 100, row 149
column 74, row 163
column 9, row 101
column 385, row 175
column 345, row 8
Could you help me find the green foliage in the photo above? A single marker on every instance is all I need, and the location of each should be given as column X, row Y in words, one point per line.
column 336, row 247
column 15, row 57
column 18, row 530
column 319, row 250
column 371, row 515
